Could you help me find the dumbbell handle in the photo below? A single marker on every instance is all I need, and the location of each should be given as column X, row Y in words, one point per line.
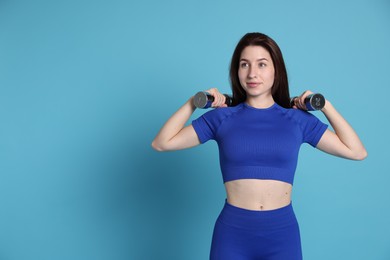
column 313, row 101
column 203, row 99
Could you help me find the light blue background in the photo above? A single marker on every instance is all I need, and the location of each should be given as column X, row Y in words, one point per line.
column 85, row 86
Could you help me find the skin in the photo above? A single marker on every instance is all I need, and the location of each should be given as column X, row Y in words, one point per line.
column 256, row 74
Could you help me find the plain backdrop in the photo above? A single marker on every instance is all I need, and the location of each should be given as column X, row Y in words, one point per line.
column 86, row 85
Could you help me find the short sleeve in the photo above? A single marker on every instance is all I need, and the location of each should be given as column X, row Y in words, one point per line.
column 313, row 129
column 206, row 125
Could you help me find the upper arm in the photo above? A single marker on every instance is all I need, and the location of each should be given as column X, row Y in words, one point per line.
column 185, row 138
column 200, row 131
column 331, row 143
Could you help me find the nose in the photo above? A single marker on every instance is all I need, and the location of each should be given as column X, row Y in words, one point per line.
column 252, row 73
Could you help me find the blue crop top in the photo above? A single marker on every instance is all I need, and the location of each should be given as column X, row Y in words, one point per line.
column 259, row 143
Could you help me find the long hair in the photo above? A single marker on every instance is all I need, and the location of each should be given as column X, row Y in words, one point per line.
column 280, row 91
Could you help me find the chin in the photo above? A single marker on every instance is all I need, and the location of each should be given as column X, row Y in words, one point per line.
column 255, row 93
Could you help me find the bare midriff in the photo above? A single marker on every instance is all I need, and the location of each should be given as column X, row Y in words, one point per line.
column 255, row 194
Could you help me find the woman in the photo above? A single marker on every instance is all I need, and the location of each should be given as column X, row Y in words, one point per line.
column 258, row 139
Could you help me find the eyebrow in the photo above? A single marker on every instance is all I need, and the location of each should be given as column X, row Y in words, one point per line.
column 261, row 59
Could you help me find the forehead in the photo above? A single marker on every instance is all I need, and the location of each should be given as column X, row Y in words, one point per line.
column 255, row 53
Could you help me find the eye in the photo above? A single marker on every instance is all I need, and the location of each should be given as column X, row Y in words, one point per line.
column 262, row 64
column 244, row 65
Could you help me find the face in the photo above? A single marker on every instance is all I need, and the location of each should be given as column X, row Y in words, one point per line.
column 256, row 72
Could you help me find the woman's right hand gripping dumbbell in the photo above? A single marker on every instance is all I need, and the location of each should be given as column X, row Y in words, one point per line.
column 211, row 98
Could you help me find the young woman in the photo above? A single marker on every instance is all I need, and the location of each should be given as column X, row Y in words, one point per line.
column 259, row 140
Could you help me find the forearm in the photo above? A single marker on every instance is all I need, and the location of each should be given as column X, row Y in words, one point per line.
column 174, row 125
column 344, row 131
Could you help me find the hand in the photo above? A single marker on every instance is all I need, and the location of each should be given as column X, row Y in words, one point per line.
column 299, row 102
column 219, row 98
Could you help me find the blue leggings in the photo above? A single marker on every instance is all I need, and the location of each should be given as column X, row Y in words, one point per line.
column 241, row 234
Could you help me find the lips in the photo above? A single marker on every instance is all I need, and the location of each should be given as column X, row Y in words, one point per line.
column 252, row 84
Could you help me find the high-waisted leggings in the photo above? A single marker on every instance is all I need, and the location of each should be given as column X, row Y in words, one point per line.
column 241, row 234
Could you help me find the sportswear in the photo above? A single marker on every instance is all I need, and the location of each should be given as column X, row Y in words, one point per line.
column 242, row 234
column 259, row 143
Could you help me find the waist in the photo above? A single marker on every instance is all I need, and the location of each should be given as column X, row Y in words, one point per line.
column 260, row 195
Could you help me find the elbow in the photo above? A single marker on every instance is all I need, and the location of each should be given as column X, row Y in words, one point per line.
column 158, row 147
column 361, row 155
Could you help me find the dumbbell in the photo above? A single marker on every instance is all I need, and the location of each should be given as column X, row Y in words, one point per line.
column 313, row 101
column 203, row 99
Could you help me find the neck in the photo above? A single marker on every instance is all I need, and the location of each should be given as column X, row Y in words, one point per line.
column 260, row 102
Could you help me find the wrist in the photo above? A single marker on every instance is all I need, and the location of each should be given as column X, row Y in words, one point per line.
column 326, row 106
column 190, row 102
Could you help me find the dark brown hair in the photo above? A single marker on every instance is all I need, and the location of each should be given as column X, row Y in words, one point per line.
column 280, row 91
